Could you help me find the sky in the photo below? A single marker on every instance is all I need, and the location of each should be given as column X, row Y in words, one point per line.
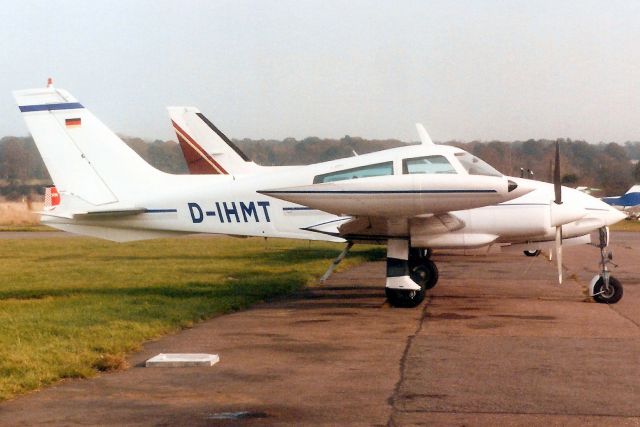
column 468, row 70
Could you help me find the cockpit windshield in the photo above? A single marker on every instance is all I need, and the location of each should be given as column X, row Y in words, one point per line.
column 476, row 166
column 427, row 164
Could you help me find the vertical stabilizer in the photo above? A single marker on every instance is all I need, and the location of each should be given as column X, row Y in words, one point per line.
column 205, row 148
column 84, row 158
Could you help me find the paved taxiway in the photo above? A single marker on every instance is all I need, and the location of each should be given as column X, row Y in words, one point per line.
column 498, row 342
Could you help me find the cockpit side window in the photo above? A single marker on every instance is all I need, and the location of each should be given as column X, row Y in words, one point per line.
column 379, row 169
column 427, row 164
column 476, row 166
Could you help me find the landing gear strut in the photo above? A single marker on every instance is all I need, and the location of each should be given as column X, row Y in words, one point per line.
column 604, row 288
column 410, row 273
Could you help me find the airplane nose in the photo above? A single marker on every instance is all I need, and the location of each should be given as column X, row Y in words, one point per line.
column 613, row 215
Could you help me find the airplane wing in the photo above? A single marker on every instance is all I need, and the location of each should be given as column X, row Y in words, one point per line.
column 402, row 195
column 371, row 228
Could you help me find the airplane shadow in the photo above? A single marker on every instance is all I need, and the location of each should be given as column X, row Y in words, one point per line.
column 282, row 287
column 270, row 256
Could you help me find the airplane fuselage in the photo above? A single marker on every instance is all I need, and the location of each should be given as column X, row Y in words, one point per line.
column 223, row 204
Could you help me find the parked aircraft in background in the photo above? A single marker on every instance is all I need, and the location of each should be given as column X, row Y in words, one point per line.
column 217, row 154
column 413, row 198
column 629, row 200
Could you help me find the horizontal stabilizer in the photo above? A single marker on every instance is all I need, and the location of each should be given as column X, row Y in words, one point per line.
column 114, row 234
column 103, row 213
column 110, row 213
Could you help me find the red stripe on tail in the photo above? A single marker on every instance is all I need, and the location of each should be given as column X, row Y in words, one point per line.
column 198, row 160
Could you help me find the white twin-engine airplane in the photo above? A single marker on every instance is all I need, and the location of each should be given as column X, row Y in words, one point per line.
column 414, row 198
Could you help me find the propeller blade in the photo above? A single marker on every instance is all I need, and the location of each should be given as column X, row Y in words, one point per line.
column 556, row 176
column 559, row 252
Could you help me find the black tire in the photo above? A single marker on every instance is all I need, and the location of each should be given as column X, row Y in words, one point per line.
column 613, row 296
column 424, row 274
column 404, row 299
column 532, row 253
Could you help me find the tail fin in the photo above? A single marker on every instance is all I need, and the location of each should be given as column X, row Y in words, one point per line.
column 84, row 158
column 634, row 189
column 205, row 148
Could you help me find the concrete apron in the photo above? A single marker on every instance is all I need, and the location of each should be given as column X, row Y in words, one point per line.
column 497, row 342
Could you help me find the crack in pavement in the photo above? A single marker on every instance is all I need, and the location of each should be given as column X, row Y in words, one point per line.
column 403, row 362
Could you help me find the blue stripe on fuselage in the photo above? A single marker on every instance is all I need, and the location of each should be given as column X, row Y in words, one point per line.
column 298, row 208
column 374, row 191
column 50, row 107
column 161, row 211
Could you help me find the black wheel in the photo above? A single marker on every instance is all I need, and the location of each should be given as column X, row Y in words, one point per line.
column 610, row 296
column 404, row 299
column 424, row 274
column 532, row 253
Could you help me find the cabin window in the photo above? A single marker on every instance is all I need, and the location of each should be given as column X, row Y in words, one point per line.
column 476, row 166
column 427, row 164
column 379, row 169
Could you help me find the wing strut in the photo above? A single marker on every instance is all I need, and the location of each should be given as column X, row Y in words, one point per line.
column 336, row 261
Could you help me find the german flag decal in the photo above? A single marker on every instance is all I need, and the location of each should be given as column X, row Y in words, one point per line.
column 71, row 123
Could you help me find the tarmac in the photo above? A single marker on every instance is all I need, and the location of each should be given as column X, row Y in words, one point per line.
column 497, row 342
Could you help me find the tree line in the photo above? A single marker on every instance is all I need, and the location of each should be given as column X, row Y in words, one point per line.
column 607, row 166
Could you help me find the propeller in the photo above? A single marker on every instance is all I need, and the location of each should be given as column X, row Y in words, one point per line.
column 558, row 201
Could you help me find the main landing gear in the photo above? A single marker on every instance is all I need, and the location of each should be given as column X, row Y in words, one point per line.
column 422, row 270
column 410, row 273
column 604, row 288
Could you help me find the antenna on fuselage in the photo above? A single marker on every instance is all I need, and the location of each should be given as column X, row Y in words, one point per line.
column 424, row 136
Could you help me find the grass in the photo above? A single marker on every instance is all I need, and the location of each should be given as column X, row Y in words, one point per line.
column 627, row 225
column 70, row 308
column 19, row 213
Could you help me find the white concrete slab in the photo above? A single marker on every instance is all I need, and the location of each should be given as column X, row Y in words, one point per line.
column 180, row 360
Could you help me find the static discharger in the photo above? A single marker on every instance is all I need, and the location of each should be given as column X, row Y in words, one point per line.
column 182, row 360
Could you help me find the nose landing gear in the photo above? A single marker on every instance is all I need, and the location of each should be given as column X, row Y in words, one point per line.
column 604, row 288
